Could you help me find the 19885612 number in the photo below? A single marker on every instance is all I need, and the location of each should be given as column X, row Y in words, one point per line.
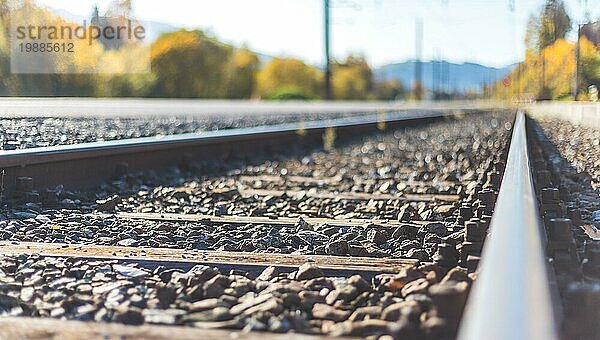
column 47, row 47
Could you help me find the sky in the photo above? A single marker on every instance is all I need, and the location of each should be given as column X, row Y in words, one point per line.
column 483, row 31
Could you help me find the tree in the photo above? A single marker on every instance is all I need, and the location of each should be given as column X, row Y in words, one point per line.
column 352, row 79
column 4, row 9
column 189, row 64
column 559, row 65
column 418, row 91
column 120, row 9
column 388, row 90
column 560, row 68
column 36, row 84
column 549, row 67
column 289, row 75
column 241, row 78
column 117, row 15
column 128, row 73
column 553, row 23
column 532, row 33
column 4, row 48
column 589, row 63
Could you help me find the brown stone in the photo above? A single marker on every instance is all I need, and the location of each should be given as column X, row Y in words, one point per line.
column 406, row 275
column 417, row 286
column 308, row 271
column 456, row 274
column 326, row 312
column 363, row 313
column 361, row 328
column 398, row 310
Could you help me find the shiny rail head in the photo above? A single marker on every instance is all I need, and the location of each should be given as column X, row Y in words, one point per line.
column 511, row 296
column 88, row 164
column 216, row 135
column 156, row 107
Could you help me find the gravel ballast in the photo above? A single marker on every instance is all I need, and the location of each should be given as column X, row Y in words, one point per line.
column 424, row 302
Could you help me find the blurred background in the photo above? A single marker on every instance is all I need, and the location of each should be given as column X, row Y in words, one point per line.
column 331, row 49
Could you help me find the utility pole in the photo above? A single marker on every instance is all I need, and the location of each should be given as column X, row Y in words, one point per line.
column 435, row 76
column 446, row 74
column 418, row 67
column 577, row 63
column 328, row 92
column 543, row 70
column 580, row 24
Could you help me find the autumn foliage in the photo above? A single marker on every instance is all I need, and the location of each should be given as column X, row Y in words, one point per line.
column 290, row 76
column 184, row 64
column 550, row 69
column 550, row 74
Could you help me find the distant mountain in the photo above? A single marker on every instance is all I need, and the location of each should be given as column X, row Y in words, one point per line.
column 444, row 75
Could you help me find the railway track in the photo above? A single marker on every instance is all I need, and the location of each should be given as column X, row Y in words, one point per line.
column 379, row 231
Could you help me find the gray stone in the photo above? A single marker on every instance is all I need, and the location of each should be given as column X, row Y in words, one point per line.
column 215, row 314
column 108, row 203
column 377, row 236
column 308, row 271
column 130, row 317
column 339, row 247
column 267, row 274
column 216, row 286
column 248, row 303
column 361, row 284
column 128, row 242
column 129, row 271
column 595, row 216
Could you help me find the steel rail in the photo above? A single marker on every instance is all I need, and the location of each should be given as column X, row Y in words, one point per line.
column 157, row 107
column 511, row 297
column 86, row 165
column 23, row 157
